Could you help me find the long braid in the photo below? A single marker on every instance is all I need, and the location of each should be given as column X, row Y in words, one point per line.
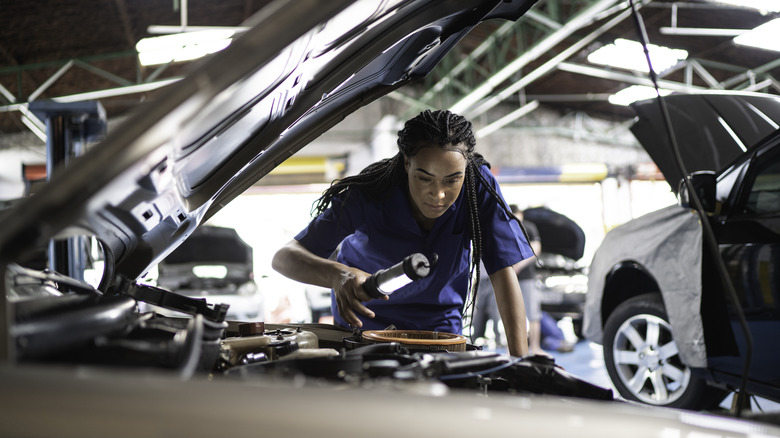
column 476, row 235
column 451, row 132
column 374, row 180
column 501, row 202
column 475, row 162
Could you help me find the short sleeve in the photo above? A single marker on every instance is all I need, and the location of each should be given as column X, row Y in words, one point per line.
column 503, row 241
column 324, row 233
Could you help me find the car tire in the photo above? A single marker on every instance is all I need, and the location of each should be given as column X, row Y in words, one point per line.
column 643, row 361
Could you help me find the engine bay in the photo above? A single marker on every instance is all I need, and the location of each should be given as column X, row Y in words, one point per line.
column 61, row 321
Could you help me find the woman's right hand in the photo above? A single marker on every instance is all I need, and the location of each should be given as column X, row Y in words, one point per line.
column 296, row 262
column 350, row 296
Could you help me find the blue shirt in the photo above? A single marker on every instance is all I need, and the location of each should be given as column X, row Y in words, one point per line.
column 377, row 233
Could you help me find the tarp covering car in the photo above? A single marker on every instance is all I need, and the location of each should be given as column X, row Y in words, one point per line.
column 667, row 243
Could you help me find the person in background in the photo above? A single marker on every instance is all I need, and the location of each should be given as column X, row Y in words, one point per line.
column 526, row 277
column 436, row 195
column 552, row 335
column 485, row 309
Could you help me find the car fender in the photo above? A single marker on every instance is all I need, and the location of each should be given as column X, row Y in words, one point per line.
column 625, row 280
column 667, row 245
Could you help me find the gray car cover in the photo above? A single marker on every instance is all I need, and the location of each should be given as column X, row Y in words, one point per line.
column 668, row 244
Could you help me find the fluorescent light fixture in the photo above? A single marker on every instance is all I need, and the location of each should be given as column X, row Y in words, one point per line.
column 182, row 46
column 633, row 93
column 761, row 5
column 701, row 31
column 210, row 271
column 630, row 55
column 766, row 36
column 165, row 30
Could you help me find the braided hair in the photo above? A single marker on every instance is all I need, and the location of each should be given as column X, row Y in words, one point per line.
column 449, row 131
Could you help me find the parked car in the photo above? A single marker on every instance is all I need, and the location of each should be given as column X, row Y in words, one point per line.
column 81, row 360
column 562, row 280
column 214, row 264
column 656, row 300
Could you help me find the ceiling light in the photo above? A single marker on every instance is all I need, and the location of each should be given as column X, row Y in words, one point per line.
column 761, row 5
column 634, row 93
column 764, row 36
column 630, row 55
column 182, row 46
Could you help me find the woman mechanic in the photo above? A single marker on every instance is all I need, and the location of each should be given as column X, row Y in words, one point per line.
column 436, row 195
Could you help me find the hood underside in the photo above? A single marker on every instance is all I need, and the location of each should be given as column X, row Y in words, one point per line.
column 302, row 67
column 711, row 130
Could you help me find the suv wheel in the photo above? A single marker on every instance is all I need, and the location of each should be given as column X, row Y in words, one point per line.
column 643, row 361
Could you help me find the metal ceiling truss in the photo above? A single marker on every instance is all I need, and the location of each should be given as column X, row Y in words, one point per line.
column 457, row 85
column 468, row 83
column 19, row 101
column 473, row 83
column 755, row 80
column 86, row 63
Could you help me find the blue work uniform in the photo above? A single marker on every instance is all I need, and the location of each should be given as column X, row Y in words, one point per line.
column 377, row 233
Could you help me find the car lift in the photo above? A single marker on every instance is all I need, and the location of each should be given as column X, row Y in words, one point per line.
column 69, row 127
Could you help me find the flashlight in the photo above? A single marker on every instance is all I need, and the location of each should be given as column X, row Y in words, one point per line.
column 386, row 281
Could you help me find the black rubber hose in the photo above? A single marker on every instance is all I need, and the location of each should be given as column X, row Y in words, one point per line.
column 709, row 236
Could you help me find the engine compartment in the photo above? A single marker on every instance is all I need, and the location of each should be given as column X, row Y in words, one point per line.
column 59, row 321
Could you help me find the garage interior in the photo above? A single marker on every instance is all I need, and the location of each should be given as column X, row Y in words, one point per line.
column 548, row 115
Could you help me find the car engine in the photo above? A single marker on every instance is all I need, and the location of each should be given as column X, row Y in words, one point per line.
column 61, row 321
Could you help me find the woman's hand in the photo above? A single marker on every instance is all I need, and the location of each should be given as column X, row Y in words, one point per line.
column 350, row 296
column 296, row 262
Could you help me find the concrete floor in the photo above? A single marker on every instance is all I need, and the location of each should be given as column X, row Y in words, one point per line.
column 586, row 362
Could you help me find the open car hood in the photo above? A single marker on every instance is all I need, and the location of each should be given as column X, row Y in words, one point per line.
column 711, row 129
column 302, row 67
column 560, row 234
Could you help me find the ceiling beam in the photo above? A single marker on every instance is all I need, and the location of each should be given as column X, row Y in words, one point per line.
column 102, row 73
column 629, row 78
column 468, row 61
column 701, row 31
column 704, row 74
column 542, row 47
column 507, row 119
column 542, row 19
column 124, row 19
column 548, row 66
column 97, row 94
column 7, row 94
column 52, row 79
column 753, row 72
